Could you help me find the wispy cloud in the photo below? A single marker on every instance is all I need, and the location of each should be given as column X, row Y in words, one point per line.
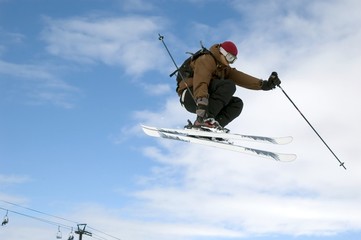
column 157, row 89
column 12, row 179
column 42, row 85
column 9, row 38
column 126, row 41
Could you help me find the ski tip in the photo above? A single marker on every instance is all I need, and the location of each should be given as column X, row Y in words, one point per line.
column 287, row 157
column 149, row 131
column 284, row 140
column 145, row 127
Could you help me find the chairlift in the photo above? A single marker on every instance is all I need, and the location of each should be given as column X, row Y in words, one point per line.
column 58, row 234
column 71, row 235
column 5, row 220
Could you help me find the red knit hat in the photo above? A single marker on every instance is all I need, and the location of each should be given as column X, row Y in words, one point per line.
column 230, row 47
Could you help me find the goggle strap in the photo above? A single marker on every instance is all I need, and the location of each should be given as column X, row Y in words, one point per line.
column 230, row 58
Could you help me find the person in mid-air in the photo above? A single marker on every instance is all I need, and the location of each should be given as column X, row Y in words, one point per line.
column 208, row 90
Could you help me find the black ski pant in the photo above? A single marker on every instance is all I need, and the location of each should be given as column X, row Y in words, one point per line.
column 222, row 106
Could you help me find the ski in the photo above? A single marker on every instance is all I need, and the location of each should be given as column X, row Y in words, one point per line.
column 222, row 135
column 283, row 157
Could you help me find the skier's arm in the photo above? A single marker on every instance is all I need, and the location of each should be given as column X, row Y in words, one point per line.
column 244, row 80
column 250, row 82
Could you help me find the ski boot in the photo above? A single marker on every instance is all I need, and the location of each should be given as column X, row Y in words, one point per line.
column 207, row 124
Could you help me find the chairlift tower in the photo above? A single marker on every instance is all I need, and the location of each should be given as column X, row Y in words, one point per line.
column 81, row 231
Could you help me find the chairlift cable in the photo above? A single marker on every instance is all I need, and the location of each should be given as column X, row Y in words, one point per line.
column 53, row 222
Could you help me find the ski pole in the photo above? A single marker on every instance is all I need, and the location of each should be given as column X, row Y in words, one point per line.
column 161, row 38
column 341, row 163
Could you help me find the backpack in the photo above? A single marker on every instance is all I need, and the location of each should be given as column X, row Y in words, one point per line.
column 185, row 71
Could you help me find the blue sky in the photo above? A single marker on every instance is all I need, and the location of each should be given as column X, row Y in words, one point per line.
column 77, row 78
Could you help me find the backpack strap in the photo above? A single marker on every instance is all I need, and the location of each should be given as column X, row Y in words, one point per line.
column 193, row 57
column 185, row 71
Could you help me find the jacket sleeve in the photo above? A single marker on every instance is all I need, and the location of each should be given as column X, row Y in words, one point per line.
column 203, row 69
column 244, row 80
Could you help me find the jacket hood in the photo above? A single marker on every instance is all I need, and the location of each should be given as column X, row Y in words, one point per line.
column 215, row 51
column 217, row 54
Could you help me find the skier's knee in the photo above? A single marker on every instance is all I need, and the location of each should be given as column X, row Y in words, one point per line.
column 230, row 86
column 238, row 104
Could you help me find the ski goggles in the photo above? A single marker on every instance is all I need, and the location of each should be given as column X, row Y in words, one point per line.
column 229, row 57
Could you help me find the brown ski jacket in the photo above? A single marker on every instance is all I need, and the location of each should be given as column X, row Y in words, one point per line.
column 208, row 67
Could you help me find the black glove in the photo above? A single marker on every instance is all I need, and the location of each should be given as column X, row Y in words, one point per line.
column 272, row 82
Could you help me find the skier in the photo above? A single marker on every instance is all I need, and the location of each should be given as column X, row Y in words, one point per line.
column 209, row 91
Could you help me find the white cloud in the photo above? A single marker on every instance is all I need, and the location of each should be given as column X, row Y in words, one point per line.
column 43, row 86
column 12, row 179
column 297, row 30
column 253, row 195
column 171, row 114
column 11, row 37
column 118, row 226
column 157, row 89
column 29, row 230
column 127, row 41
